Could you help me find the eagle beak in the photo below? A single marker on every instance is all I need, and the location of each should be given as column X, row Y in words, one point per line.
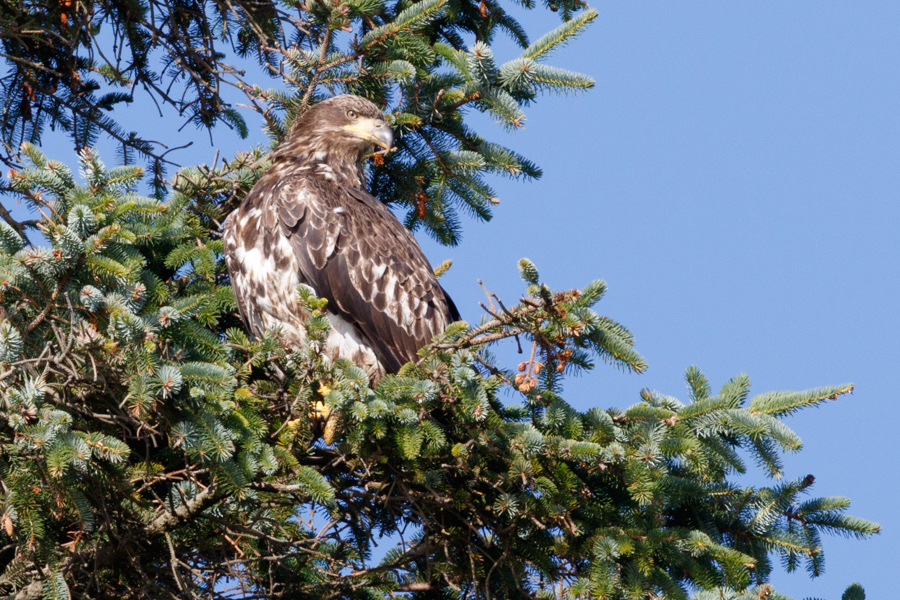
column 375, row 131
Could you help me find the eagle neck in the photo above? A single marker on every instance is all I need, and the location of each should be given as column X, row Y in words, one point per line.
column 340, row 164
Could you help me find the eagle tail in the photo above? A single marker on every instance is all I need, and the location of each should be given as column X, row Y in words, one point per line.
column 451, row 307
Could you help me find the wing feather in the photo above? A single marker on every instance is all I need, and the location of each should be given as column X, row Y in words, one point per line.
column 355, row 253
column 269, row 218
column 293, row 214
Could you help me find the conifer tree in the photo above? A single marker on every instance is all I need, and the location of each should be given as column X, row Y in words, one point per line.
column 150, row 449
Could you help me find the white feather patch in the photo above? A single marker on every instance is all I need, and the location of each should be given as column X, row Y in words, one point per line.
column 344, row 341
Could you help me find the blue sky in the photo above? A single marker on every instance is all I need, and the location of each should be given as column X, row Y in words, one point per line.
column 734, row 177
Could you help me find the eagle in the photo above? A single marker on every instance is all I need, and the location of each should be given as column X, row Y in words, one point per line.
column 310, row 221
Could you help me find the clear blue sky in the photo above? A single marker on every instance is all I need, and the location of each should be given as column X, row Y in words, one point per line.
column 735, row 177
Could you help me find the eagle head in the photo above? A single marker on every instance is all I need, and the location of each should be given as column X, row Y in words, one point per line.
column 340, row 129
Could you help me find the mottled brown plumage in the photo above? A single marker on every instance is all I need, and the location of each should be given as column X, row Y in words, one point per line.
column 310, row 221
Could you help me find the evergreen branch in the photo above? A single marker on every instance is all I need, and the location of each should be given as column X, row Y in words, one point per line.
column 51, row 301
column 169, row 519
column 32, row 591
column 702, row 407
column 556, row 78
column 544, row 45
column 778, row 404
column 486, row 333
column 416, row 15
column 16, row 225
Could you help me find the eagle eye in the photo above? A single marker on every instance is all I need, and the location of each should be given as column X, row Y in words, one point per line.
column 351, row 114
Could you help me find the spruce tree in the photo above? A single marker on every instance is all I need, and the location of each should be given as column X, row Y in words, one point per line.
column 149, row 448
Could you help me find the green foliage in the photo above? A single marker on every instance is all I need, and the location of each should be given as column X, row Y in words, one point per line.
column 136, row 414
column 428, row 63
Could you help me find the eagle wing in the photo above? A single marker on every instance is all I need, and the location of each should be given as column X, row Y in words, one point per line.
column 353, row 251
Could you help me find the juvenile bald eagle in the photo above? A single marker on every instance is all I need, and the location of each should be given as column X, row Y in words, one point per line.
column 310, row 221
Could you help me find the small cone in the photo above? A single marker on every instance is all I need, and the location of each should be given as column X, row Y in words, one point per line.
column 320, row 411
column 330, row 427
column 325, row 419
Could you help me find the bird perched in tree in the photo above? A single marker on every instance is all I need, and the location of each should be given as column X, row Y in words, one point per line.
column 309, row 220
